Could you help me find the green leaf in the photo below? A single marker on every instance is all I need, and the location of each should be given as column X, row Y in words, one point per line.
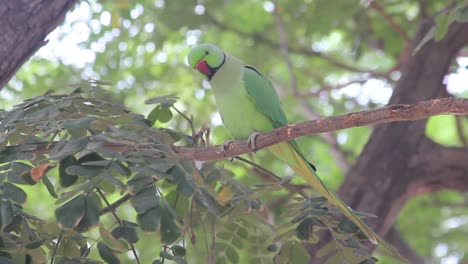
column 145, row 200
column 179, row 250
column 68, row 247
column 20, row 173
column 126, row 231
column 70, row 214
column 166, row 100
column 13, row 193
column 161, row 114
column 110, row 241
column 305, row 229
column 150, row 220
column 91, row 215
column 6, row 212
column 231, row 254
column 71, row 147
column 347, row 226
column 169, row 230
column 49, row 186
column 86, row 171
column 138, row 183
column 292, row 252
column 107, row 254
column 66, row 179
column 35, row 244
column 78, row 123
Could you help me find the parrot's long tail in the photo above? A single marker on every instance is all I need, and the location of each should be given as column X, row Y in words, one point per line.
column 302, row 167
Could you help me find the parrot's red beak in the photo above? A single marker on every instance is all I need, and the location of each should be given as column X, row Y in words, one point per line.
column 203, row 67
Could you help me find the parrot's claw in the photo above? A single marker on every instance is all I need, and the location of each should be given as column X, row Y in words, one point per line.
column 226, row 145
column 251, row 141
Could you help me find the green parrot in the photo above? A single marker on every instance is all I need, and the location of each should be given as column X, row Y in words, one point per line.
column 248, row 104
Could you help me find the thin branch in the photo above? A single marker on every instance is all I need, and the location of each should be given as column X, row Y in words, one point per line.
column 103, row 197
column 392, row 113
column 283, row 39
column 379, row 9
column 301, row 50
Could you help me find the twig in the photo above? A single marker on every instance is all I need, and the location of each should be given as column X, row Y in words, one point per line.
column 302, row 50
column 379, row 9
column 283, row 39
column 119, row 221
column 189, row 119
column 392, row 113
column 289, row 187
column 114, row 205
column 59, row 239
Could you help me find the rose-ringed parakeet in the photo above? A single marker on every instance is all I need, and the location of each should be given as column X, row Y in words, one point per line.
column 248, row 103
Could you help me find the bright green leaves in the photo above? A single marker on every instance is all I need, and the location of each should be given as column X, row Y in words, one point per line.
column 457, row 13
column 81, row 214
column 161, row 114
column 161, row 111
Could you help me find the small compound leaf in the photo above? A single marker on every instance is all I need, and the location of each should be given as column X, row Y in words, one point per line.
column 292, row 252
column 110, row 241
column 305, row 229
column 150, row 220
column 169, row 230
column 138, row 183
column 126, row 231
column 107, row 254
column 86, row 171
column 70, row 214
column 91, row 215
column 13, row 193
column 145, row 200
column 66, row 179
column 6, row 212
column 49, row 186
column 35, row 244
column 179, row 250
column 166, row 100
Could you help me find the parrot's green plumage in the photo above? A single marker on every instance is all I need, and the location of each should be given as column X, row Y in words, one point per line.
column 248, row 103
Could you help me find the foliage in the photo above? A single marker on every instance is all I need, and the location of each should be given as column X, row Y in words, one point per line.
column 93, row 156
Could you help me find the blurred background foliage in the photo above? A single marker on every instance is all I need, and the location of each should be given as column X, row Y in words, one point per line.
column 341, row 55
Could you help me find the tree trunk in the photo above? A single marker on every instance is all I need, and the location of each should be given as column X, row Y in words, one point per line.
column 399, row 161
column 24, row 25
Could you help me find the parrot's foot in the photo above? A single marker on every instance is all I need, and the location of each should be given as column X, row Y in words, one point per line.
column 251, row 141
column 226, row 145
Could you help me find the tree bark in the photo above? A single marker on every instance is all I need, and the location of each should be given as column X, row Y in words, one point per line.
column 24, row 25
column 399, row 161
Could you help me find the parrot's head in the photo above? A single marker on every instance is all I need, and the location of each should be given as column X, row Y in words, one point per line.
column 207, row 59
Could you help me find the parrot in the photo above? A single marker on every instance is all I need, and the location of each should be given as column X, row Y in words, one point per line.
column 248, row 105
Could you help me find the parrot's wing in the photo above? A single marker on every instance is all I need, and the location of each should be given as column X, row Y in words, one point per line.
column 264, row 96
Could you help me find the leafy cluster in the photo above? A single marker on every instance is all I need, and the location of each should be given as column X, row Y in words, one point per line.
column 95, row 157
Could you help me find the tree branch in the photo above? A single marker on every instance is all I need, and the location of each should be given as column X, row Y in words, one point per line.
column 392, row 113
column 381, row 11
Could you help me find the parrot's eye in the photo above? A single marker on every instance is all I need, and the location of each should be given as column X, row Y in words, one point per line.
column 206, row 52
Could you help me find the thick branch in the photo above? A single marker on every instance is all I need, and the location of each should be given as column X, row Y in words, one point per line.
column 24, row 25
column 387, row 114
